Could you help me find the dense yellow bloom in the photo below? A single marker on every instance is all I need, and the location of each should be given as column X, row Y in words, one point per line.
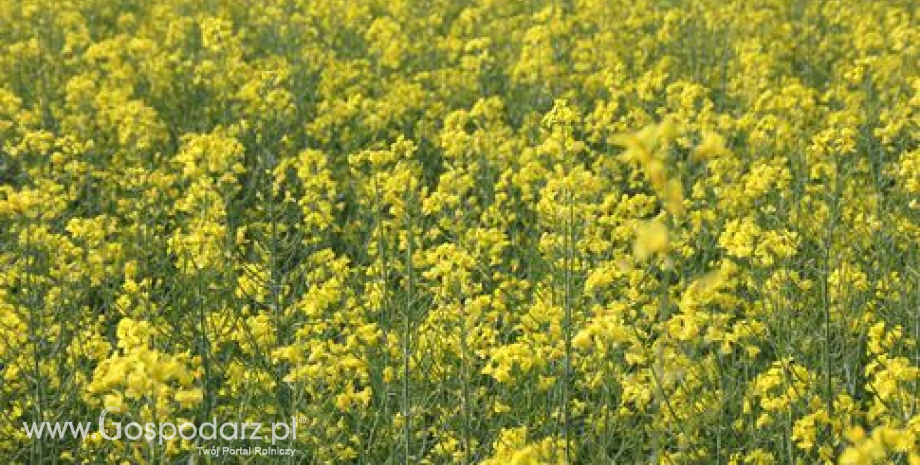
column 538, row 232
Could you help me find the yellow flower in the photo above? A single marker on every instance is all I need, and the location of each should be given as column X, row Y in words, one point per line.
column 712, row 145
column 188, row 398
column 651, row 238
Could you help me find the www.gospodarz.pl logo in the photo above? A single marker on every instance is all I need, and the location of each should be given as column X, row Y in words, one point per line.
column 161, row 432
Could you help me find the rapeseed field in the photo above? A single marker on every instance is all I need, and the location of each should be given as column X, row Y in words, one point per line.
column 491, row 232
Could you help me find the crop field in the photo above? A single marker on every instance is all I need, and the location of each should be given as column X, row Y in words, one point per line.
column 498, row 232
